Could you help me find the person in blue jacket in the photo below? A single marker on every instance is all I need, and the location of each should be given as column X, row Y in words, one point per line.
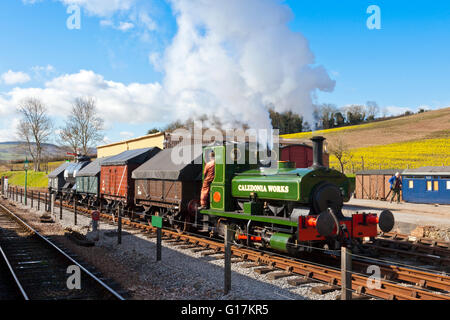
column 396, row 186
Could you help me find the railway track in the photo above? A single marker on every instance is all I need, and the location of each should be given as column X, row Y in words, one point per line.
column 40, row 269
column 397, row 283
column 9, row 288
column 426, row 250
column 429, row 251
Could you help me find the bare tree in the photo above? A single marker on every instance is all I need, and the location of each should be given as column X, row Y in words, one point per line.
column 341, row 151
column 83, row 127
column 372, row 110
column 35, row 128
column 68, row 138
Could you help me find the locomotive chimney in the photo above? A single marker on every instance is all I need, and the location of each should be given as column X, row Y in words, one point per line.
column 317, row 151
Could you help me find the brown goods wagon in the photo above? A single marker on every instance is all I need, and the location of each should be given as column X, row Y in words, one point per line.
column 116, row 184
column 373, row 184
column 301, row 154
column 166, row 187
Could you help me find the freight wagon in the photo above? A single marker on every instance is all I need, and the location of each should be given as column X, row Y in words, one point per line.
column 374, row 184
column 116, row 184
column 301, row 155
column 56, row 179
column 170, row 189
column 70, row 174
column 88, row 183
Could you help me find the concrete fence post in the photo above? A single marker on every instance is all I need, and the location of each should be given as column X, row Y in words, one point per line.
column 346, row 273
column 228, row 241
column 119, row 225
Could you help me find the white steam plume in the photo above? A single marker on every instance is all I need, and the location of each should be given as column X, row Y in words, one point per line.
column 232, row 58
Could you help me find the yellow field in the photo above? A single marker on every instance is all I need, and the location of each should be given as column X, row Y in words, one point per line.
column 412, row 154
column 309, row 134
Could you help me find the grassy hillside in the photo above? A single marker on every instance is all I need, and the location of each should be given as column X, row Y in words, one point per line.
column 34, row 179
column 407, row 142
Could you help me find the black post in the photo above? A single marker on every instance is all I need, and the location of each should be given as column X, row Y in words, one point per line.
column 119, row 226
column 39, row 200
column 75, row 206
column 32, row 198
column 45, row 203
column 228, row 239
column 60, row 206
column 17, row 194
column 346, row 273
column 158, row 243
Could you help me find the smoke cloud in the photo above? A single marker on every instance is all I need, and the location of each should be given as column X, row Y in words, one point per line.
column 233, row 58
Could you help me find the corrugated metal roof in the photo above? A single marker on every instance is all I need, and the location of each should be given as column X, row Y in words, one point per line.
column 442, row 170
column 380, row 172
column 137, row 156
column 59, row 170
column 163, row 166
column 93, row 168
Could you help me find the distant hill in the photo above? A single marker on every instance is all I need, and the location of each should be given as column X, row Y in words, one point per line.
column 16, row 150
column 407, row 142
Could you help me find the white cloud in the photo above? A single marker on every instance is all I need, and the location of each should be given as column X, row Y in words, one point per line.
column 10, row 77
column 106, row 23
column 102, row 8
column 147, row 21
column 47, row 69
column 8, row 130
column 155, row 60
column 229, row 59
column 396, row 110
column 126, row 134
column 107, row 140
column 125, row 26
column 30, row 1
column 117, row 102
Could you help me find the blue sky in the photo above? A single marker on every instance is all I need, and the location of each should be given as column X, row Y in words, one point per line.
column 127, row 50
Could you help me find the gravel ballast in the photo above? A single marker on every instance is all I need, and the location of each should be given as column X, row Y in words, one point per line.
column 182, row 274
